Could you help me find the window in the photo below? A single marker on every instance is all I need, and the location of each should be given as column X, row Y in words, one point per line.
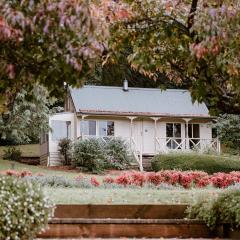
column 193, row 131
column 110, row 128
column 97, row 128
column 88, row 128
column 194, row 135
column 106, row 128
column 173, row 133
column 60, row 130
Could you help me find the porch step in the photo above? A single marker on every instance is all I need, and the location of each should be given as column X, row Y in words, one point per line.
column 147, row 166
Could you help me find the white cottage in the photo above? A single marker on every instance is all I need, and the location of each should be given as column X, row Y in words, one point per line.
column 151, row 120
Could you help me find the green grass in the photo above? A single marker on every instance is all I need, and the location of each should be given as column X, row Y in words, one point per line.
column 202, row 162
column 6, row 165
column 111, row 196
column 127, row 196
column 29, row 150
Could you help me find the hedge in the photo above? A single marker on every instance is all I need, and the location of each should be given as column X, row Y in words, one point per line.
column 202, row 162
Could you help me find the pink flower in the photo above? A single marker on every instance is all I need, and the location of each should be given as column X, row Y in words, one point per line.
column 95, row 182
column 108, row 180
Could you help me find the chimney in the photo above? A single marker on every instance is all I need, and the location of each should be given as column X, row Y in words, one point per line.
column 125, row 85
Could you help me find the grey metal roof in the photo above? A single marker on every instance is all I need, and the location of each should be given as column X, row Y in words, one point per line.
column 136, row 101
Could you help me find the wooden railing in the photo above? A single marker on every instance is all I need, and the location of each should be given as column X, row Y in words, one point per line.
column 187, row 144
column 137, row 153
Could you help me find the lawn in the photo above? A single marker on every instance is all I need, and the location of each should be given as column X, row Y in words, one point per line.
column 127, row 196
column 111, row 196
column 6, row 165
column 29, row 150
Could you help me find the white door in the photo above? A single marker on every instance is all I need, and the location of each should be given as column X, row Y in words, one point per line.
column 148, row 137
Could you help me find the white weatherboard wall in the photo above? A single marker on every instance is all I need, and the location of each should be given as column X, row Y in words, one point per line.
column 205, row 131
column 54, row 156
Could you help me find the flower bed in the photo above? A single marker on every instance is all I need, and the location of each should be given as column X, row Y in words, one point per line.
column 185, row 179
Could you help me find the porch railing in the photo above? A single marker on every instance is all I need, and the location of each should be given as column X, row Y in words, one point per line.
column 187, row 144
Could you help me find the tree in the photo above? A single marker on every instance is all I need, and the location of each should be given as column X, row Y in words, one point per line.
column 28, row 116
column 47, row 42
column 113, row 73
column 192, row 42
column 228, row 128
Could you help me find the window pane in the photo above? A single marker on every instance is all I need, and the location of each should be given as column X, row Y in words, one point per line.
column 190, row 130
column 92, row 128
column 169, row 130
column 102, row 128
column 177, row 130
column 196, row 132
column 110, row 128
column 84, row 128
column 88, row 128
column 59, row 130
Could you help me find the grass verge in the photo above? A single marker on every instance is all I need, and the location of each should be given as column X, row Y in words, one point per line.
column 29, row 150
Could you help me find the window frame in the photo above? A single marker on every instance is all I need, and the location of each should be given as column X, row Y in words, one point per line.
column 171, row 143
column 192, row 132
column 173, row 133
column 98, row 130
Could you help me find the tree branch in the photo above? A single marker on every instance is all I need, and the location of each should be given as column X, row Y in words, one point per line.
column 193, row 9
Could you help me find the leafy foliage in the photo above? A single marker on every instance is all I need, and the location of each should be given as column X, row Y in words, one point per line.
column 222, row 209
column 65, row 149
column 228, row 128
column 117, row 151
column 28, row 116
column 95, row 155
column 12, row 153
column 89, row 154
column 202, row 162
column 24, row 209
column 48, row 42
column 192, row 42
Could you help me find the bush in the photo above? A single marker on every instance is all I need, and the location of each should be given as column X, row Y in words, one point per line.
column 65, row 149
column 12, row 153
column 202, row 162
column 24, row 209
column 95, row 155
column 222, row 209
column 89, row 154
column 117, row 153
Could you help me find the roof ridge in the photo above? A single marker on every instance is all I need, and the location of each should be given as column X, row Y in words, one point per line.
column 135, row 88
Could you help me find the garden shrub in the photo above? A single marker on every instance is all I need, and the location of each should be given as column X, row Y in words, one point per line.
column 24, row 209
column 117, row 151
column 96, row 155
column 64, row 147
column 202, row 162
column 225, row 208
column 89, row 154
column 12, row 153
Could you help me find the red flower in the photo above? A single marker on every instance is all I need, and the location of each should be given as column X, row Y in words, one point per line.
column 95, row 182
column 108, row 180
